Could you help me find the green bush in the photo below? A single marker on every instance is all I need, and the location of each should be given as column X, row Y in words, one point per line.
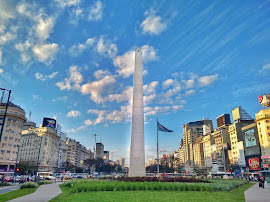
column 44, row 182
column 4, row 184
column 29, row 185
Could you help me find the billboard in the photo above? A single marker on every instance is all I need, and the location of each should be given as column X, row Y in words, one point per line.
column 250, row 139
column 254, row 163
column 223, row 120
column 48, row 122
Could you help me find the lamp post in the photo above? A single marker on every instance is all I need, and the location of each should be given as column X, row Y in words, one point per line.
column 16, row 164
column 3, row 123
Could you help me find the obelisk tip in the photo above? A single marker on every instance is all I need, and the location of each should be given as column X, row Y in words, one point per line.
column 138, row 49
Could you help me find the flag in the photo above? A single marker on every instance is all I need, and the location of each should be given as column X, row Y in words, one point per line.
column 162, row 128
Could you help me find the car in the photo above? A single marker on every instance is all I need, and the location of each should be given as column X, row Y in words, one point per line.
column 79, row 176
column 17, row 178
column 9, row 179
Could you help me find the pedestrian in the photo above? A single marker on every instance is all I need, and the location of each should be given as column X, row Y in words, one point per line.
column 261, row 181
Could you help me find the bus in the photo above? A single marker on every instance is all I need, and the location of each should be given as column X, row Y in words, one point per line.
column 46, row 175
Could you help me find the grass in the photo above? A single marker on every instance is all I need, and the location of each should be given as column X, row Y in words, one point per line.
column 15, row 194
column 235, row 195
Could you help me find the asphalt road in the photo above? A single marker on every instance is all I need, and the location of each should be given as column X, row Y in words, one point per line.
column 6, row 189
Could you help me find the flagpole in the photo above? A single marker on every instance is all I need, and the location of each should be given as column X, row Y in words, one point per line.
column 157, row 152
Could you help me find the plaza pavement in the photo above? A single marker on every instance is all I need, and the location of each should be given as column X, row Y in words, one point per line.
column 42, row 194
column 257, row 194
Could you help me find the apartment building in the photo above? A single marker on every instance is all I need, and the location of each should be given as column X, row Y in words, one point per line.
column 10, row 139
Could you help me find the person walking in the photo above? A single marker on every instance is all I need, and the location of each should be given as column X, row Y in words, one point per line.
column 261, row 181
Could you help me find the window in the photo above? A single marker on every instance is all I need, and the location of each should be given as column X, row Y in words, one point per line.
column 11, row 138
column 2, row 151
column 8, row 151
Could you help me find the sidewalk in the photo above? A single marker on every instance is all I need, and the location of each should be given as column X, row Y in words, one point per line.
column 6, row 189
column 42, row 194
column 257, row 194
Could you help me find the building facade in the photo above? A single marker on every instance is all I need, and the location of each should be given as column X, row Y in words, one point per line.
column 40, row 145
column 263, row 126
column 10, row 140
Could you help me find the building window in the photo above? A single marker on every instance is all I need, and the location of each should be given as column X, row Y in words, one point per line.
column 8, row 151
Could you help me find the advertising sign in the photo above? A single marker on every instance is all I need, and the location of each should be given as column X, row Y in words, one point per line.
column 250, row 139
column 48, row 122
column 254, row 163
column 164, row 156
column 230, row 156
column 265, row 157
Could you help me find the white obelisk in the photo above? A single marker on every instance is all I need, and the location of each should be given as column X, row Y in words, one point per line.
column 137, row 152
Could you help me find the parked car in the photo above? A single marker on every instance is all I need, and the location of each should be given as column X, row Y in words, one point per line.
column 17, row 178
column 9, row 179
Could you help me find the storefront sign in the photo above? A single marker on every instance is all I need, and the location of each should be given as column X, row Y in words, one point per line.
column 265, row 157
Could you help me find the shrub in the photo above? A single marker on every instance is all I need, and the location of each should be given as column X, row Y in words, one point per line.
column 29, row 185
column 4, row 184
column 44, row 182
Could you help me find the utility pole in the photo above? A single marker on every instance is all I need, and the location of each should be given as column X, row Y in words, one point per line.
column 38, row 158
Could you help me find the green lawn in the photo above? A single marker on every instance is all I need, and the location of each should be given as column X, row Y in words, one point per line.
column 235, row 195
column 15, row 194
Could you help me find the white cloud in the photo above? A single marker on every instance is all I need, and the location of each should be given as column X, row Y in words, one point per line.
column 44, row 27
column 100, row 117
column 177, row 107
column 73, row 113
column 25, row 50
column 63, row 99
column 1, row 71
column 190, row 83
column 125, row 62
column 75, row 15
column 6, row 12
column 166, row 84
column 78, row 49
column 42, row 77
column 150, row 88
column 118, row 116
column 265, row 68
column 36, row 97
column 99, row 74
column 153, row 24
column 106, row 48
column 95, row 11
column 73, row 82
column 176, row 88
column 68, row 3
column 207, row 80
column 157, row 110
column 6, row 37
column 96, row 88
column 126, row 95
column 45, row 52
column 189, row 92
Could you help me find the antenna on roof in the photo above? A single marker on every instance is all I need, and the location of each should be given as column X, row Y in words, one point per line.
column 30, row 113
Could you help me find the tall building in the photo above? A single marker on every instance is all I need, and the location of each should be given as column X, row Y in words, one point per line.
column 137, row 148
column 208, row 141
column 198, row 154
column 263, row 125
column 40, row 143
column 11, row 135
column 191, row 131
column 222, row 145
column 106, row 155
column 223, row 120
column 122, row 162
column 99, row 150
column 252, row 147
column 62, row 155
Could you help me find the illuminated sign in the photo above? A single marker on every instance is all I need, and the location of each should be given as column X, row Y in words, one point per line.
column 260, row 98
column 48, row 122
column 250, row 139
column 254, row 163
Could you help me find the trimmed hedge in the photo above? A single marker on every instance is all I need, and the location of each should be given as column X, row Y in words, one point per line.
column 29, row 185
column 92, row 185
column 156, row 179
column 44, row 182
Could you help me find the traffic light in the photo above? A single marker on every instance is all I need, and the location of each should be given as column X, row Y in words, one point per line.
column 17, row 169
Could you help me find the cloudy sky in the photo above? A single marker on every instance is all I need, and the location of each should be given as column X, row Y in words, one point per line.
column 74, row 59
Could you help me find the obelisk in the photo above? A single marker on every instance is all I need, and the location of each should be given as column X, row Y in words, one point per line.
column 137, row 152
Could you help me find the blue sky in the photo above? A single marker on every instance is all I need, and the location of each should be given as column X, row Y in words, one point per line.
column 73, row 60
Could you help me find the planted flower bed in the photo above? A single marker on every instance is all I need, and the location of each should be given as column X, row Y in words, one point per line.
column 98, row 185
